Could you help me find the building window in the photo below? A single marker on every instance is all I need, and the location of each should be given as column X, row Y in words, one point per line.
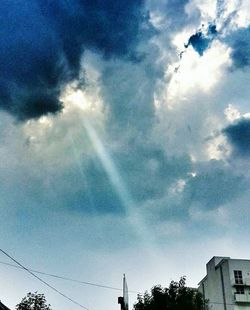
column 238, row 277
column 239, row 290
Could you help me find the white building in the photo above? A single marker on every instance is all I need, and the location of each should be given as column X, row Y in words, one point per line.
column 227, row 284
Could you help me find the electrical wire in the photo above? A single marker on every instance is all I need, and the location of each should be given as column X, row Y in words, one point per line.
column 70, row 279
column 32, row 272
column 44, row 282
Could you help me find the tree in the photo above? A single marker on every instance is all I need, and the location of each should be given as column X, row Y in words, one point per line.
column 176, row 297
column 33, row 301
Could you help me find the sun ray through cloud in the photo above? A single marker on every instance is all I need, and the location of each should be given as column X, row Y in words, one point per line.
column 133, row 214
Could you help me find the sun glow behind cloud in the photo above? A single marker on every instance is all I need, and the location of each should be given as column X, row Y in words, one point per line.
column 195, row 73
column 56, row 137
column 81, row 131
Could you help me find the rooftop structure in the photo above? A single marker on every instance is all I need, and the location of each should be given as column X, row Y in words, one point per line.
column 3, row 307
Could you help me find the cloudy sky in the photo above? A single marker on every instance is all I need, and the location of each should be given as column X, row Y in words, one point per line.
column 125, row 143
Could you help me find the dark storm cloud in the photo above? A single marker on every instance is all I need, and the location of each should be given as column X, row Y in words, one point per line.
column 239, row 41
column 87, row 190
column 42, row 42
column 29, row 61
column 238, row 135
column 109, row 26
column 86, row 186
column 150, row 171
column 146, row 174
column 213, row 186
column 91, row 192
column 201, row 40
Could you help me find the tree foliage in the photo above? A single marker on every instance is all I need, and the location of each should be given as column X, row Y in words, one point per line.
column 33, row 301
column 176, row 297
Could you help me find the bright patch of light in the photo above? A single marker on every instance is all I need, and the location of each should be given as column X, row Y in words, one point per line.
column 45, row 120
column 181, row 38
column 246, row 115
column 77, row 104
column 77, row 98
column 156, row 19
column 197, row 73
column 134, row 216
column 108, row 165
column 157, row 102
column 61, row 137
column 230, row 12
column 207, row 9
column 243, row 16
column 231, row 113
column 236, row 13
column 192, row 174
column 178, row 187
column 218, row 148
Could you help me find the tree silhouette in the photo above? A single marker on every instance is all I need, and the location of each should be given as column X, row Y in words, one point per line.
column 176, row 297
column 33, row 301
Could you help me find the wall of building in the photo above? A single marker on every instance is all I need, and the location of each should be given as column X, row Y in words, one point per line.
column 229, row 296
column 220, row 273
column 244, row 266
column 212, row 285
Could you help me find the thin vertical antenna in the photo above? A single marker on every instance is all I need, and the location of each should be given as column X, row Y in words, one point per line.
column 123, row 301
column 125, row 293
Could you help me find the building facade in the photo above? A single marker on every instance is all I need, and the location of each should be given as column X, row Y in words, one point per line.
column 227, row 284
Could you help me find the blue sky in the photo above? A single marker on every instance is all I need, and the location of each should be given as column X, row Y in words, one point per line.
column 125, row 142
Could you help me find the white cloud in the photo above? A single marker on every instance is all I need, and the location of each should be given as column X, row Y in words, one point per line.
column 55, row 137
column 218, row 148
column 194, row 73
column 220, row 216
column 243, row 18
column 177, row 187
column 235, row 14
column 231, row 13
column 207, row 9
column 231, row 113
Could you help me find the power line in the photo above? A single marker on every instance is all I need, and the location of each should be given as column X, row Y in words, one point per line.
column 32, row 272
column 44, row 282
column 70, row 279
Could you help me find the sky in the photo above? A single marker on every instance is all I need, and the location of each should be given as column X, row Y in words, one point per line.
column 124, row 143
